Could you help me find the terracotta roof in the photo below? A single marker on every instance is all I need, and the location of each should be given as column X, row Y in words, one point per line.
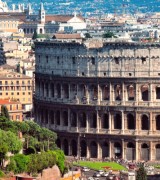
column 7, row 66
column 18, row 16
column 61, row 18
column 8, row 101
column 67, row 36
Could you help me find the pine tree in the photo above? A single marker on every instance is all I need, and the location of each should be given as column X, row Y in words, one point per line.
column 141, row 173
column 4, row 112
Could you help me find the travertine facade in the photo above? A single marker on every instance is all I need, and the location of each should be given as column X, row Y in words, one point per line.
column 102, row 98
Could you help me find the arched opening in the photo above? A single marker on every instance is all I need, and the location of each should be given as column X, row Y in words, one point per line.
column 158, row 92
column 58, row 91
column 65, row 118
column 93, row 121
column 117, row 150
column 65, row 147
column 66, row 91
column 83, row 148
column 58, row 142
column 105, row 150
column 145, row 122
column 157, row 152
column 83, row 120
column 117, row 121
column 73, row 119
column 130, row 121
column 144, row 152
column 105, row 123
column 73, row 148
column 130, row 151
column 158, row 122
column 58, row 118
column 93, row 149
column 131, row 93
column 144, row 90
column 105, row 93
column 41, row 31
column 118, row 93
column 83, row 89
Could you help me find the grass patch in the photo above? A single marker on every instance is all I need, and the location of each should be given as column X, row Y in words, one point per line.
column 99, row 165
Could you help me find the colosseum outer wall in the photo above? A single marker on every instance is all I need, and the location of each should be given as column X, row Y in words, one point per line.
column 102, row 99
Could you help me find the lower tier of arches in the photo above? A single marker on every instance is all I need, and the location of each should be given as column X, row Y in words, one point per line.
column 92, row 146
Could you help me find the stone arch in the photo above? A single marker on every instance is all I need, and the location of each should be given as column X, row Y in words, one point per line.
column 105, row 93
column 117, row 150
column 66, row 91
column 130, row 151
column 144, row 122
column 144, row 152
column 118, row 92
column 93, row 121
column 130, row 121
column 105, row 150
column 83, row 90
column 157, row 152
column 93, row 149
column 117, row 121
column 105, row 121
column 158, row 122
column 58, row 88
column 83, row 148
column 65, row 118
column 65, row 147
column 73, row 119
column 131, row 93
column 145, row 92
column 73, row 148
column 83, row 120
column 57, row 117
column 58, row 142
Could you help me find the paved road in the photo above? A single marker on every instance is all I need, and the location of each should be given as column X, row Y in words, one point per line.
column 90, row 174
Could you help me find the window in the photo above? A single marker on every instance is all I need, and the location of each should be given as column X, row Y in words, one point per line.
column 12, row 93
column 17, row 93
column 116, row 60
column 17, row 117
column 0, row 94
column 29, row 93
column 17, row 82
column 143, row 60
column 130, row 74
column 23, row 82
column 104, row 74
column 82, row 73
column 6, row 94
column 6, row 82
column 23, row 93
column 73, row 60
column 0, row 82
column 46, row 59
column 93, row 61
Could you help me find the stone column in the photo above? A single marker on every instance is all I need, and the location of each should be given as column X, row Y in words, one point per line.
column 55, row 90
column 136, row 94
column 150, row 123
column 122, row 114
column 97, row 122
column 150, row 150
column 88, row 150
column 78, row 146
column 136, row 123
column 123, row 94
column 61, row 86
column 99, row 99
column 123, row 151
column 137, row 150
column 99, row 151
column 110, row 94
column 77, row 122
column 87, row 123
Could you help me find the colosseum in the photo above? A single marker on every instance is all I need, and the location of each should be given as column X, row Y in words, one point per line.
column 102, row 98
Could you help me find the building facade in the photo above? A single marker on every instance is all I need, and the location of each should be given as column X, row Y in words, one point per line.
column 102, row 98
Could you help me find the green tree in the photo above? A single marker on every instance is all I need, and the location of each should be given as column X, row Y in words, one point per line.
column 108, row 35
column 35, row 35
column 4, row 112
column 141, row 173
